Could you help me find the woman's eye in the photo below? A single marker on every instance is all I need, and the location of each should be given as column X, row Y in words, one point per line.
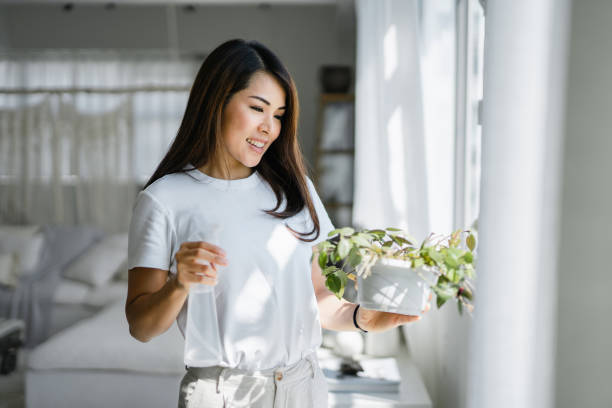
column 258, row 109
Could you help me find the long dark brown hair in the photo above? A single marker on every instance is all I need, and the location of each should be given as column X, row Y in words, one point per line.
column 227, row 70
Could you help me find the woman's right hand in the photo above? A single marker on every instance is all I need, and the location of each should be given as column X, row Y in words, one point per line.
column 195, row 263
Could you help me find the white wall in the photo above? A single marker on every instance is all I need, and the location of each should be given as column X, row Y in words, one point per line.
column 304, row 37
column 584, row 333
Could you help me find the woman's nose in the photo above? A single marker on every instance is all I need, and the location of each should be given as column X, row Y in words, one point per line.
column 264, row 127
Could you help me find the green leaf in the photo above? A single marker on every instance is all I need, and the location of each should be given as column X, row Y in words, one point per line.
column 323, row 260
column 354, row 257
column 417, row 263
column 342, row 277
column 401, row 240
column 468, row 257
column 455, row 239
column 452, row 257
column 344, row 246
column 459, row 275
column 324, row 245
column 333, row 283
column 471, row 241
column 361, row 240
column 435, row 255
column 444, row 292
column 345, row 231
column 469, row 271
column 466, row 293
column 387, row 244
column 380, row 234
column 393, row 229
column 329, row 270
column 460, row 307
column 334, row 232
column 440, row 301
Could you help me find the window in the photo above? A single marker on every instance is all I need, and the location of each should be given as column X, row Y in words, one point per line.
column 470, row 62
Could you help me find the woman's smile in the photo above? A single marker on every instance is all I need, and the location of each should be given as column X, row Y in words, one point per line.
column 256, row 144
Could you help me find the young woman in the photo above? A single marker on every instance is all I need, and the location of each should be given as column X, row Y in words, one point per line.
column 230, row 208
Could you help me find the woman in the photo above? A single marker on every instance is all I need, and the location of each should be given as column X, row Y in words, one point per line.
column 230, row 208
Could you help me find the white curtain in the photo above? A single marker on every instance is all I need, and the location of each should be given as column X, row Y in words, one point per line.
column 390, row 171
column 61, row 166
column 404, row 136
column 513, row 347
column 78, row 157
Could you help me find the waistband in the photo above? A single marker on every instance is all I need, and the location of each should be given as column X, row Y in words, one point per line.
column 286, row 374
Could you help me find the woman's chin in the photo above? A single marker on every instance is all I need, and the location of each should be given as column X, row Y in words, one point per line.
column 251, row 162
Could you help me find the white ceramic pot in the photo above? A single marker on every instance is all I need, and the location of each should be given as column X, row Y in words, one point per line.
column 393, row 286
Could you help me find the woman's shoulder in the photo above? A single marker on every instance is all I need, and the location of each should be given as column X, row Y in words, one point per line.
column 167, row 189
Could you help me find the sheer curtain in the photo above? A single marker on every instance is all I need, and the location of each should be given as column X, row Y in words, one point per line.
column 80, row 131
column 404, row 136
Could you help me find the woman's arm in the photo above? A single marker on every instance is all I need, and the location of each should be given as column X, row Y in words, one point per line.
column 334, row 314
column 153, row 302
column 338, row 314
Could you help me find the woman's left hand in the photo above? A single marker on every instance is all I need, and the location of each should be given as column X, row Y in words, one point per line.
column 377, row 321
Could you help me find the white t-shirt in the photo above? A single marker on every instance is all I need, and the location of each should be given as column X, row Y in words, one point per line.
column 266, row 306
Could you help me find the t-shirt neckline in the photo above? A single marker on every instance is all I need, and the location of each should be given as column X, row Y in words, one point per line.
column 223, row 184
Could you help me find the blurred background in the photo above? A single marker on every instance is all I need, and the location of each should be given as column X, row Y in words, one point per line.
column 428, row 115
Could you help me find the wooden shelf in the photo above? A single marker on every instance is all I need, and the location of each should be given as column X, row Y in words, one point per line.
column 338, row 205
column 337, row 97
column 320, row 152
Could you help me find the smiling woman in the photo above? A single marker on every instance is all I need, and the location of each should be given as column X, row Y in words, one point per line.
column 221, row 240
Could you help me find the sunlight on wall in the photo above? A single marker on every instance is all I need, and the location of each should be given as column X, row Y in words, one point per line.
column 390, row 51
column 395, row 138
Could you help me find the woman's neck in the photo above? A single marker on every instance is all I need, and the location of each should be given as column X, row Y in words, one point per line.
column 226, row 171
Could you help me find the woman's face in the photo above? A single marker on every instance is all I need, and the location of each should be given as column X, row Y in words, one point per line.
column 251, row 121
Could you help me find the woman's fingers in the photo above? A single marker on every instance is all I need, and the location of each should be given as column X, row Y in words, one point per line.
column 204, row 245
column 204, row 270
column 197, row 262
column 205, row 254
column 202, row 275
column 200, row 256
column 409, row 318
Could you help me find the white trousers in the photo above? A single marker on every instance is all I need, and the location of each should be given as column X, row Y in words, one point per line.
column 300, row 385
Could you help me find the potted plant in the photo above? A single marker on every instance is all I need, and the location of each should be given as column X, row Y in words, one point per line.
column 393, row 274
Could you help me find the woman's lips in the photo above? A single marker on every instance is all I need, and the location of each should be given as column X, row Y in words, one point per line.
column 256, row 149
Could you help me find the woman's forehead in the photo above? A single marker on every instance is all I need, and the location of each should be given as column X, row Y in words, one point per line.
column 266, row 86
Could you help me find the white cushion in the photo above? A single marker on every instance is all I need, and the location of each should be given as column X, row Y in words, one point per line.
column 71, row 292
column 107, row 294
column 27, row 241
column 100, row 263
column 8, row 269
column 103, row 342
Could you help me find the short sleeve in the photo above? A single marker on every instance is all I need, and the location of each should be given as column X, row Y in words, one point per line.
column 324, row 221
column 150, row 235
